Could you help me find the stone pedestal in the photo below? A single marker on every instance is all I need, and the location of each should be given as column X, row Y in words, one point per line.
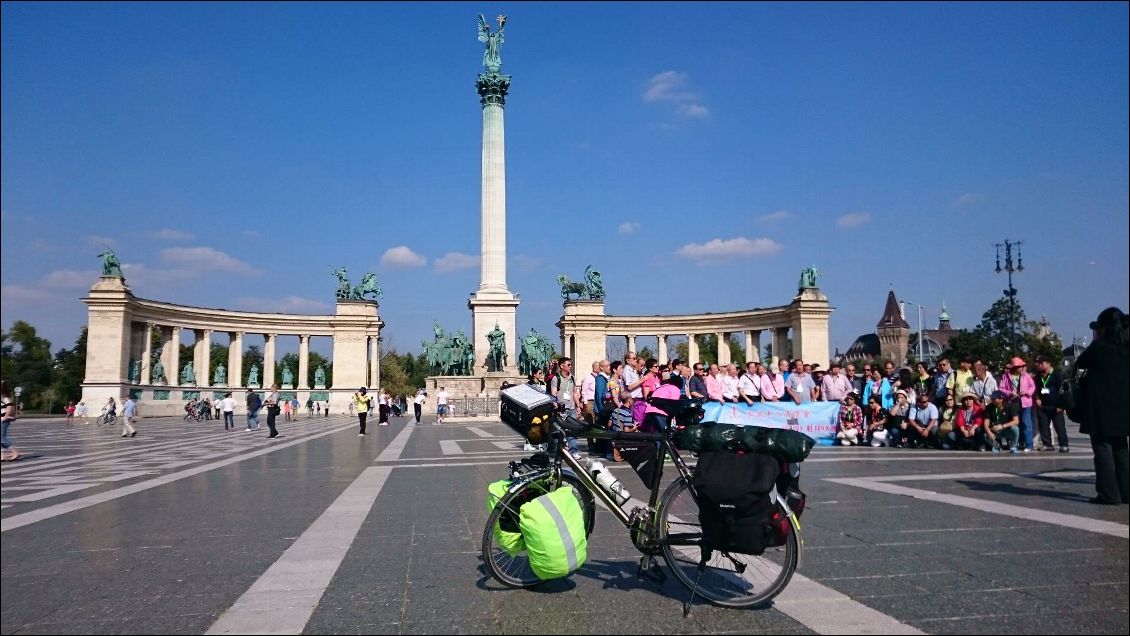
column 487, row 311
column 585, row 322
column 810, row 326
column 354, row 321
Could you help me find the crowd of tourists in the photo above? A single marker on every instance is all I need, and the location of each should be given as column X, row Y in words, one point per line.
column 1013, row 410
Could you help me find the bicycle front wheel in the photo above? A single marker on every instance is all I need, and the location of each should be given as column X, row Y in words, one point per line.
column 726, row 579
column 503, row 553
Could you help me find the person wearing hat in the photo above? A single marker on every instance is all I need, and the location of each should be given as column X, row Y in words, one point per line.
column 968, row 429
column 849, row 422
column 1047, row 410
column 1002, row 423
column 1104, row 404
column 1018, row 385
column 362, row 401
column 896, row 420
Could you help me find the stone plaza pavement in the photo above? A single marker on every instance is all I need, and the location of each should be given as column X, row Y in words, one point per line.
column 190, row 529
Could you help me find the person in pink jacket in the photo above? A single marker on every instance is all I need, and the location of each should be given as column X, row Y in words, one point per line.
column 1018, row 384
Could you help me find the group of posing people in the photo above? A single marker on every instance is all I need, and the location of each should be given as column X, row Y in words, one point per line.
column 964, row 408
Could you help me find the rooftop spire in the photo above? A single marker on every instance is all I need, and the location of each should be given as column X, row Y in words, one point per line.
column 892, row 317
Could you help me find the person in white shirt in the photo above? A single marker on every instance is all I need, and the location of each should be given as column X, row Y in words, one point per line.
column 729, row 382
column 82, row 412
column 441, row 406
column 418, row 403
column 384, row 405
column 748, row 389
column 227, row 405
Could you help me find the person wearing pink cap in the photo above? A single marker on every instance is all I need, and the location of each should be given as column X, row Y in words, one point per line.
column 1018, row 384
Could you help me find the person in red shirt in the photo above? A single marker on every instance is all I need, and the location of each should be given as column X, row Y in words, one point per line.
column 968, row 428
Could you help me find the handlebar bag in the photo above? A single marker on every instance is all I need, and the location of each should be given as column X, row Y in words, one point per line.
column 506, row 531
column 734, row 507
column 553, row 527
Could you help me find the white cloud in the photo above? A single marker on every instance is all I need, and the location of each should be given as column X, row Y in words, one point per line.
column 627, row 227
column 775, row 217
column 96, row 240
column 252, row 234
column 739, row 247
column 668, row 86
column 289, row 304
column 671, row 86
column 402, row 256
column 968, row 198
column 206, row 259
column 694, row 111
column 455, row 261
column 169, row 234
column 853, row 219
column 69, row 279
column 19, row 293
column 525, row 263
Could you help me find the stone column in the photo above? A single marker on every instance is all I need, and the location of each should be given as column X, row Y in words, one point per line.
column 723, row 348
column 692, row 349
column 303, row 362
column 780, row 343
column 269, row 360
column 374, row 363
column 632, row 343
column 492, row 90
column 751, row 346
column 172, row 371
column 235, row 360
column 662, row 338
column 204, row 369
column 146, row 356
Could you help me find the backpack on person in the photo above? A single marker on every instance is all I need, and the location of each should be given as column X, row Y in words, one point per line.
column 1070, row 397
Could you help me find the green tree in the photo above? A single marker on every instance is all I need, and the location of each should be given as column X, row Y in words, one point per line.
column 68, row 374
column 393, row 378
column 645, row 353
column 992, row 339
column 28, row 364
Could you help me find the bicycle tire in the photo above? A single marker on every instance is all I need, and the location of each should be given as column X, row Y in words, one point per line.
column 719, row 581
column 514, row 571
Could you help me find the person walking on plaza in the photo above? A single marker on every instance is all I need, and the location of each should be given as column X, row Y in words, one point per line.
column 7, row 416
column 253, row 406
column 441, row 405
column 81, row 412
column 286, row 409
column 361, row 403
column 1104, row 404
column 272, row 404
column 129, row 414
column 70, row 410
column 1018, row 385
column 383, row 408
column 418, row 404
column 309, row 407
column 295, row 407
column 227, row 406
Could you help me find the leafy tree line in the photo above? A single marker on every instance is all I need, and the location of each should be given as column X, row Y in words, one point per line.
column 48, row 380
column 993, row 340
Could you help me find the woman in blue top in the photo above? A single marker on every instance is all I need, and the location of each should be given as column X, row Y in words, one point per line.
column 878, row 385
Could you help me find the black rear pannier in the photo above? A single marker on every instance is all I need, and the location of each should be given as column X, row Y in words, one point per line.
column 734, row 505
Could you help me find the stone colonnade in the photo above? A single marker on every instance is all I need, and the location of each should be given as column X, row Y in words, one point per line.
column 803, row 323
column 120, row 339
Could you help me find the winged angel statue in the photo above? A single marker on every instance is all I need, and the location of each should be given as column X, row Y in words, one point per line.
column 492, row 56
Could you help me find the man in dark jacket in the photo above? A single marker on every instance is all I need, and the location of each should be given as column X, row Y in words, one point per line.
column 1048, row 410
column 1104, row 405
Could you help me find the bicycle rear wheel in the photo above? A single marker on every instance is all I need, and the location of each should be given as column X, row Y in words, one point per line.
column 728, row 580
column 514, row 570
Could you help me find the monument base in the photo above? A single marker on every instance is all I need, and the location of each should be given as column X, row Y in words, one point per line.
column 470, row 386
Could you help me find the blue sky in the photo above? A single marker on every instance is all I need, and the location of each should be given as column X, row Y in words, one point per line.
column 699, row 155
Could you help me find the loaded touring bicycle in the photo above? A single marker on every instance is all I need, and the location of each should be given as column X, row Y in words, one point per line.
column 726, row 527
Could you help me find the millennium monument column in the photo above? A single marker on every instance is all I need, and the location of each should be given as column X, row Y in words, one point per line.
column 493, row 305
